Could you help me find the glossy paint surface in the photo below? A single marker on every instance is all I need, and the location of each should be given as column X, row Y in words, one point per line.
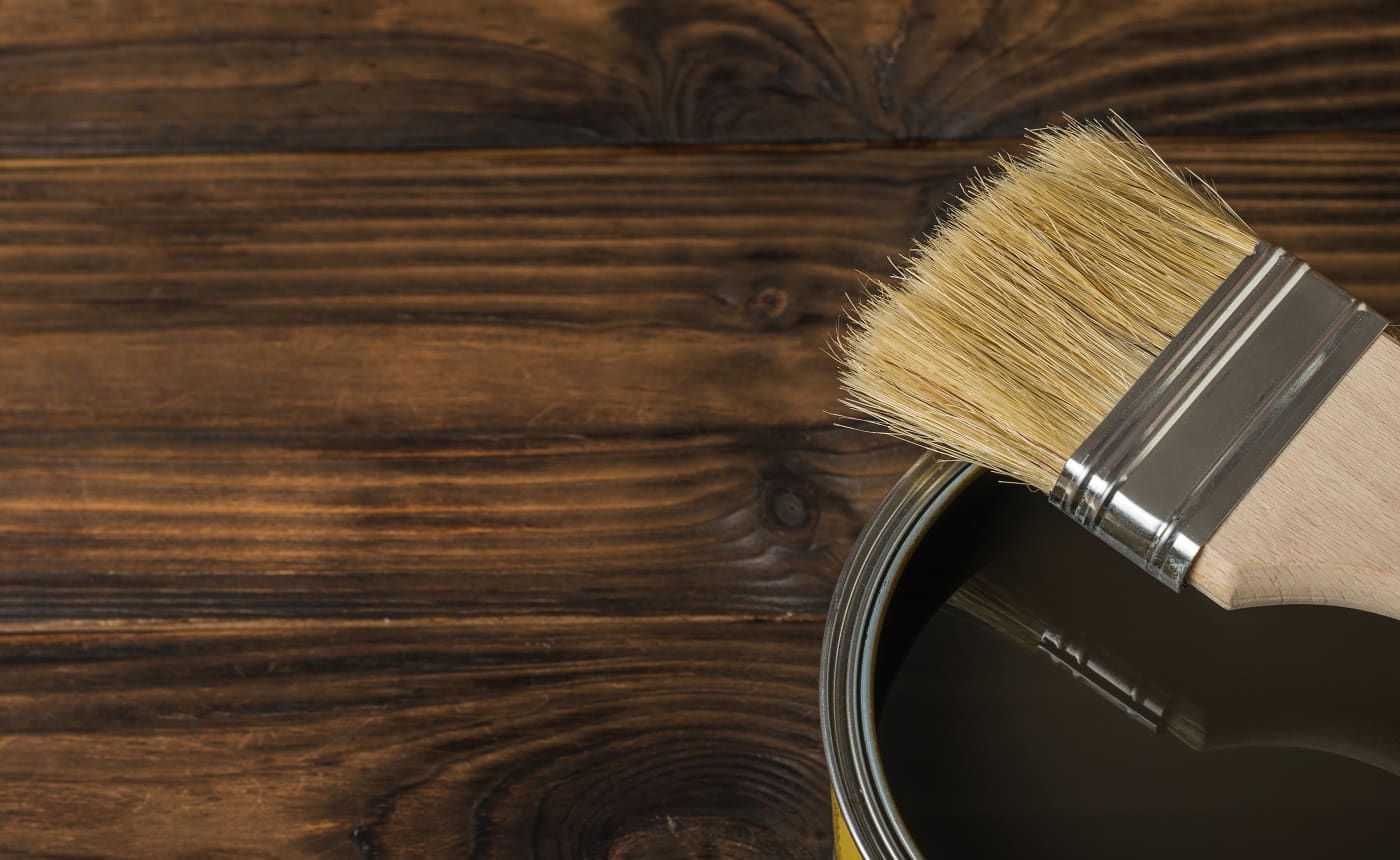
column 991, row 749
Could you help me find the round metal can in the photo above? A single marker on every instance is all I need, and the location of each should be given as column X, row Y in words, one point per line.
column 866, row 823
column 996, row 682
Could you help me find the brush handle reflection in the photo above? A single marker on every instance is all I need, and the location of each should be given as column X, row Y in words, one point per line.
column 1114, row 680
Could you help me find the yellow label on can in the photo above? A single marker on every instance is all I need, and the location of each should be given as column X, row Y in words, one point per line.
column 841, row 834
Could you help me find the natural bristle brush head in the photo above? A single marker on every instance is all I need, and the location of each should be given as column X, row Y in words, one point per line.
column 1009, row 333
column 1101, row 327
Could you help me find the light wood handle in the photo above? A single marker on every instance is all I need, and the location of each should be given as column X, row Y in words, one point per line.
column 1322, row 525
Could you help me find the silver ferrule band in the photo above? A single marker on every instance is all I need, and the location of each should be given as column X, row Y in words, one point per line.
column 1193, row 434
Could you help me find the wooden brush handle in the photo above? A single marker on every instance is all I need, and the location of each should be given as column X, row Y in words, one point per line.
column 1322, row 525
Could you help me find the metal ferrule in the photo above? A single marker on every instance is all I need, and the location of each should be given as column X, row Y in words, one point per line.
column 1193, row 434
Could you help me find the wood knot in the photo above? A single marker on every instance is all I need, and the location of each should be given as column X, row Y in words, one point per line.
column 789, row 507
column 768, row 304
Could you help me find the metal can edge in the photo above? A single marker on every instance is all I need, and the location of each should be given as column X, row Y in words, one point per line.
column 866, row 824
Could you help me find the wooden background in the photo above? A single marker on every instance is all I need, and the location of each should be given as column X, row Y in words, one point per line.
column 413, row 414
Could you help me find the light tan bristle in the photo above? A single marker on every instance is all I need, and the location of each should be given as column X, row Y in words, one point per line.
column 1011, row 331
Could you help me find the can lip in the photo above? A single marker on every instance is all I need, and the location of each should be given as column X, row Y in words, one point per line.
column 858, row 609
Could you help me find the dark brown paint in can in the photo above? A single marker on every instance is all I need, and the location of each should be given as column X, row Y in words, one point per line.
column 997, row 683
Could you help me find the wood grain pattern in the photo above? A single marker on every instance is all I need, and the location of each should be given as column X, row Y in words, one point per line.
column 362, row 293
column 466, row 384
column 162, row 527
column 485, row 504
column 126, row 76
column 553, row 739
column 424, row 294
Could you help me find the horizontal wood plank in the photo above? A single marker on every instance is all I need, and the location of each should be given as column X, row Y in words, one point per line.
column 758, row 522
column 502, row 293
column 128, row 76
column 550, row 739
column 550, row 292
column 469, row 384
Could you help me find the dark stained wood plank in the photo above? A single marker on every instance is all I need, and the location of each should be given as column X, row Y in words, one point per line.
column 473, row 383
column 187, row 75
column 548, row 292
column 95, row 527
column 550, row 739
column 592, row 292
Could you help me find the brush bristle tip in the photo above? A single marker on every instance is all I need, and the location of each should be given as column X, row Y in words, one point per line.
column 1006, row 335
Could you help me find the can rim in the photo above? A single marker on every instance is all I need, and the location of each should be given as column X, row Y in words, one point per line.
column 872, row 570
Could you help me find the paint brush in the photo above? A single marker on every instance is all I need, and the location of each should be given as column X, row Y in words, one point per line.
column 1109, row 331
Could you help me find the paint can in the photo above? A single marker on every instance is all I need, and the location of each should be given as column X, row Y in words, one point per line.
column 997, row 683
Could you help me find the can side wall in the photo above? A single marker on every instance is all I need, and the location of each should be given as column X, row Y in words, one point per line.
column 845, row 844
column 863, row 818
